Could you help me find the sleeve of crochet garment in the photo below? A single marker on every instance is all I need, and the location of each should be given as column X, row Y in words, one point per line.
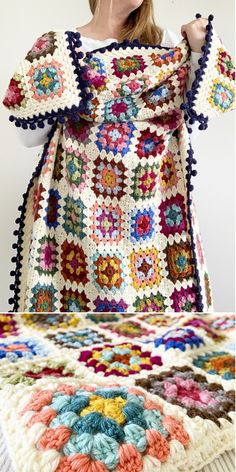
column 171, row 39
column 44, row 87
column 213, row 89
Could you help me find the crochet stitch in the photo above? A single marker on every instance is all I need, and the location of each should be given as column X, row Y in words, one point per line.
column 108, row 223
column 82, row 395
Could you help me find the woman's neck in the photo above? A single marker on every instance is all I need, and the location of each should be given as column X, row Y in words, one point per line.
column 107, row 22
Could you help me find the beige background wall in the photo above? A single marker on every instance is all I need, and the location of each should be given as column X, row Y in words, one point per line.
column 22, row 21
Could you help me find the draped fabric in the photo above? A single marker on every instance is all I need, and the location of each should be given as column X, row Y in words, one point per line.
column 108, row 220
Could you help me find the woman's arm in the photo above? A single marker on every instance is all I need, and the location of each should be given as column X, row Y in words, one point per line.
column 171, row 39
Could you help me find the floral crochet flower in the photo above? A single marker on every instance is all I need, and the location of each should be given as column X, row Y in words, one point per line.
column 150, row 144
column 46, row 80
column 51, row 321
column 144, row 268
column 173, row 56
column 217, row 363
column 43, row 298
column 179, row 260
column 73, row 300
column 109, row 178
column 154, row 302
column 76, row 168
column 107, row 223
column 179, row 338
column 128, row 65
column 182, row 387
column 73, row 263
column 184, row 299
column 102, row 428
column 48, row 256
column 27, row 348
column 105, row 305
column 74, row 217
column 45, row 44
column 145, row 181
column 221, row 95
column 161, row 320
column 95, row 73
column 37, row 369
column 115, row 137
column 173, row 215
column 52, row 213
column 108, row 271
column 119, row 359
column 168, row 173
column 8, row 325
column 143, row 226
column 225, row 65
column 129, row 329
column 77, row 338
column 77, row 130
column 135, row 86
column 15, row 94
column 159, row 96
column 120, row 109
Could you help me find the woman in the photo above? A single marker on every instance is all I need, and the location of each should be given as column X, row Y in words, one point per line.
column 107, row 222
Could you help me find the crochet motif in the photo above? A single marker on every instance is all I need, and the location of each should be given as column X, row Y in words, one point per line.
column 182, row 387
column 111, row 195
column 120, row 359
column 116, row 392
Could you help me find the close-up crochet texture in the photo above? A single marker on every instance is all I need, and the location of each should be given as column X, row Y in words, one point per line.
column 111, row 392
column 108, row 222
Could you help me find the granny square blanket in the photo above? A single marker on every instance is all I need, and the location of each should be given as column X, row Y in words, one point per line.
column 103, row 392
column 108, row 222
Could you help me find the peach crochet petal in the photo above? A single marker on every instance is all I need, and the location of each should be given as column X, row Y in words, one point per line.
column 130, row 459
column 157, row 445
column 80, row 463
column 39, row 400
column 176, row 430
column 45, row 417
column 54, row 438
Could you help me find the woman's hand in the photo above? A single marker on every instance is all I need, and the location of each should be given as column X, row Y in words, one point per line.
column 195, row 32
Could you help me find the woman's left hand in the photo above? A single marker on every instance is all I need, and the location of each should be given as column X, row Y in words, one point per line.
column 195, row 32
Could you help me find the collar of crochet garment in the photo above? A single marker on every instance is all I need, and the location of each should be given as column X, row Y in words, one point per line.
column 120, row 82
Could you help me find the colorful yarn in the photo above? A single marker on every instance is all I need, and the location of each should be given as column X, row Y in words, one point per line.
column 47, row 321
column 182, row 387
column 119, row 359
column 76, row 339
column 153, row 413
column 103, row 428
column 8, row 325
column 21, row 347
column 129, row 329
column 217, row 363
column 179, row 338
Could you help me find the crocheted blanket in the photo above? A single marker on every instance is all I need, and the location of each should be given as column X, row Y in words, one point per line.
column 108, row 221
column 107, row 392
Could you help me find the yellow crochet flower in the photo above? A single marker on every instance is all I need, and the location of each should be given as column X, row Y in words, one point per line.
column 109, row 407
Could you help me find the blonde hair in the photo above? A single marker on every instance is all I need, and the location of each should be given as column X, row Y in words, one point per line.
column 140, row 24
